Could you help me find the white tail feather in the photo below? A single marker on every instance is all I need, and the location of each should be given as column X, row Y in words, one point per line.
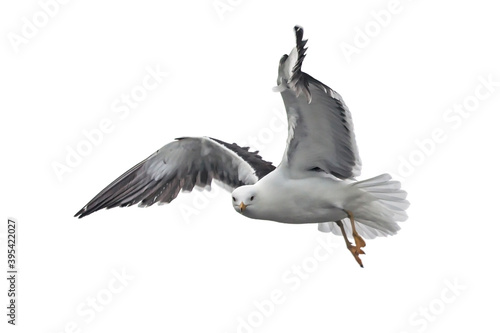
column 382, row 204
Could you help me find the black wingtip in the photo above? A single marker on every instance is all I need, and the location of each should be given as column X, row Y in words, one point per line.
column 299, row 38
column 301, row 50
column 81, row 213
column 299, row 33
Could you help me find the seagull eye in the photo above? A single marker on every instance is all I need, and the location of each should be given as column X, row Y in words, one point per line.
column 234, row 199
column 251, row 198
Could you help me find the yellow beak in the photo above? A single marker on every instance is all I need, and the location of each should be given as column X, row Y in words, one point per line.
column 242, row 206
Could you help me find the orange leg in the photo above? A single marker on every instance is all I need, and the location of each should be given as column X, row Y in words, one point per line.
column 360, row 242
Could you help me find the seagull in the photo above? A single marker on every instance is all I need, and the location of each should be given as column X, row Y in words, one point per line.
column 314, row 183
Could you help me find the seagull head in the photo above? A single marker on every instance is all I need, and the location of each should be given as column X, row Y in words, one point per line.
column 243, row 198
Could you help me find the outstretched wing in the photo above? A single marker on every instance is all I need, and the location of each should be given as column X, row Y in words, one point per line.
column 320, row 128
column 181, row 165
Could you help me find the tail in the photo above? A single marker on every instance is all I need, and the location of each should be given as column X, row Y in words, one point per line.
column 377, row 209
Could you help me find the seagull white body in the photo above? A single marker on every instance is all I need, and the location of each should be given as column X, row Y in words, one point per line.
column 314, row 183
column 321, row 198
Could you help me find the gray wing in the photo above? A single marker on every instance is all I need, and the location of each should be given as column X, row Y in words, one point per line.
column 180, row 165
column 320, row 128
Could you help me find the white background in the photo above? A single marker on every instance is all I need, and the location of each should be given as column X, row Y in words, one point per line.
column 204, row 270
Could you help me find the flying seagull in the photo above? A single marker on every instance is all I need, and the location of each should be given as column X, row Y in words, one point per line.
column 314, row 183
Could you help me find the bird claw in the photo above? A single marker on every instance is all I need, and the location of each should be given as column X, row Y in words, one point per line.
column 360, row 242
column 356, row 251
